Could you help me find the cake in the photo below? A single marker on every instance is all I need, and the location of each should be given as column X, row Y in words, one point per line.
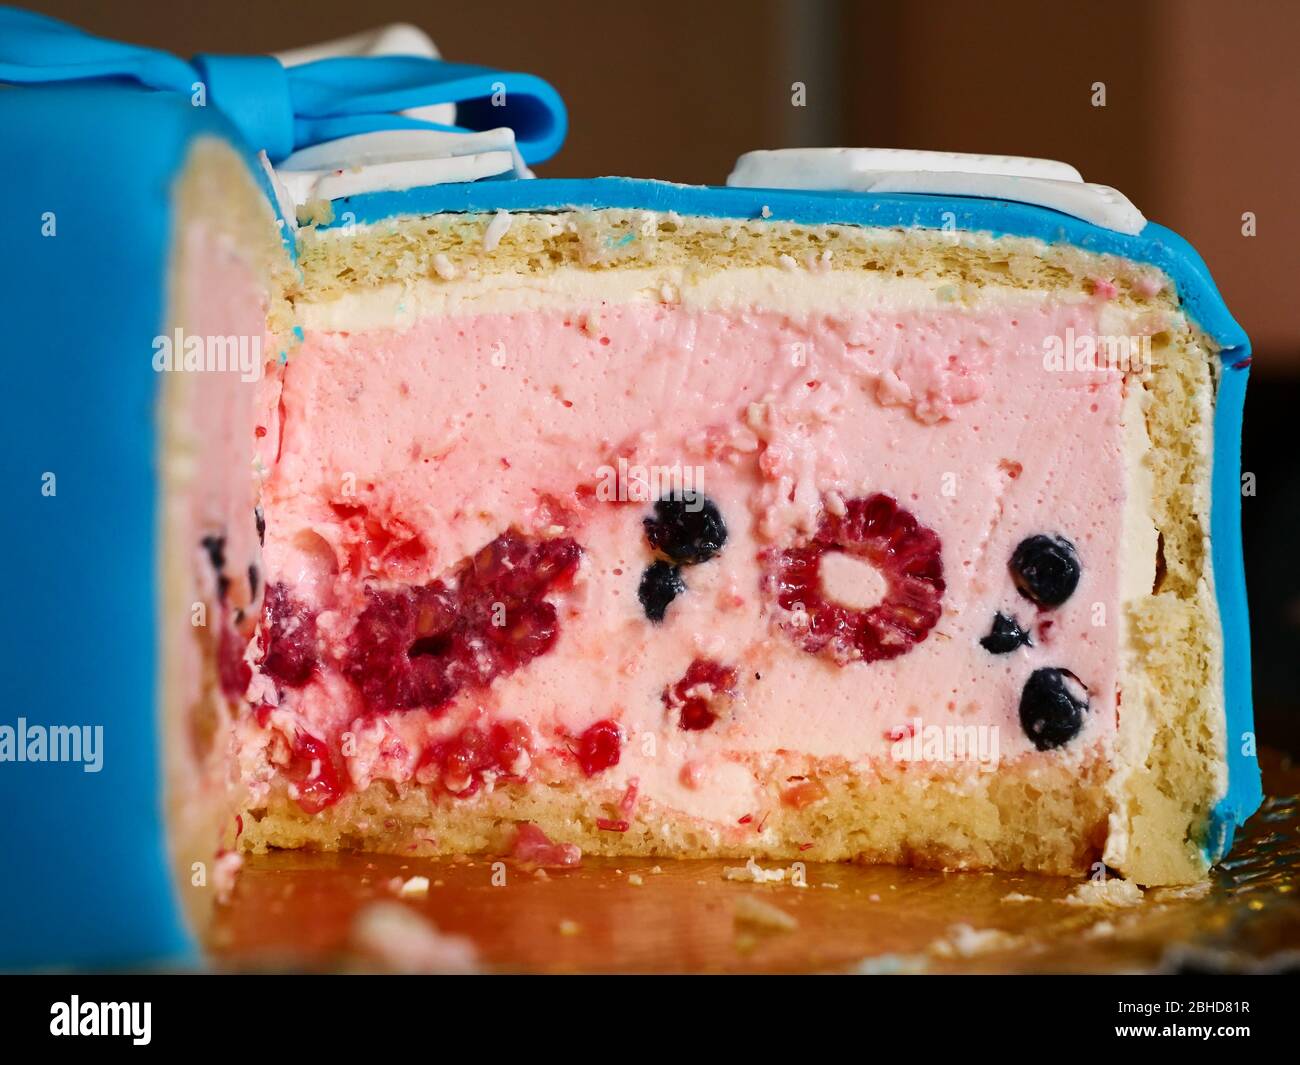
column 877, row 506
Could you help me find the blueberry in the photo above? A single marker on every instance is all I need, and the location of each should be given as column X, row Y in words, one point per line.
column 259, row 520
column 660, row 585
column 1005, row 636
column 215, row 546
column 1052, row 706
column 1045, row 569
column 686, row 529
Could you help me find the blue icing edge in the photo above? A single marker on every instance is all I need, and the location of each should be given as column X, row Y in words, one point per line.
column 93, row 884
column 1156, row 245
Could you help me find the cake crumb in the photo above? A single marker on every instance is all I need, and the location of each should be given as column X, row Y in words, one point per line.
column 399, row 939
column 754, row 873
column 656, row 869
column 415, row 888
column 569, row 928
column 1113, row 892
column 1016, row 896
column 787, row 262
column 634, row 880
column 963, row 941
column 756, row 913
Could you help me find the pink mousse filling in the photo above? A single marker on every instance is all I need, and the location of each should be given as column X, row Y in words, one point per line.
column 463, row 502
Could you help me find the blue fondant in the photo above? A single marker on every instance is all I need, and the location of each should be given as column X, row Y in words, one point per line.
column 281, row 109
column 1245, row 792
column 86, row 879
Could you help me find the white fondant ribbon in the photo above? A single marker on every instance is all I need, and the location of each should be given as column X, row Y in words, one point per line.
column 1041, row 182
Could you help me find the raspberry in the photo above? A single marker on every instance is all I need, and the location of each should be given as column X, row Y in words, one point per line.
column 906, row 553
column 701, row 695
column 599, row 747
column 419, row 646
column 290, row 630
column 314, row 772
column 464, row 760
column 233, row 671
column 531, row 845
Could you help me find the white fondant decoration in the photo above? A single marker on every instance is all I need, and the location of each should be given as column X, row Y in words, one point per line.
column 401, row 38
column 393, row 160
column 1042, row 182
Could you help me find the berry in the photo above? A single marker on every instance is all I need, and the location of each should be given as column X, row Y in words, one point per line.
column 686, row 529
column 599, row 747
column 315, row 774
column 1052, row 706
column 1045, row 569
column 701, row 695
column 465, row 760
column 1005, row 636
column 418, row 646
column 290, row 633
column 661, row 583
column 906, row 553
column 533, row 846
column 232, row 671
column 215, row 546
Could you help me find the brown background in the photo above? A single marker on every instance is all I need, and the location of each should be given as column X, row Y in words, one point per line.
column 1200, row 125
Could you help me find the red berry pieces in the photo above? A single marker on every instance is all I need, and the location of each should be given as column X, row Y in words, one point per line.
column 906, row 553
column 466, row 760
column 705, row 690
column 599, row 747
column 233, row 671
column 290, row 635
column 418, row 646
column 531, row 845
column 315, row 774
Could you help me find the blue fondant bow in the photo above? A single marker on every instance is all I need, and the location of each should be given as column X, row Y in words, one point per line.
column 282, row 109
